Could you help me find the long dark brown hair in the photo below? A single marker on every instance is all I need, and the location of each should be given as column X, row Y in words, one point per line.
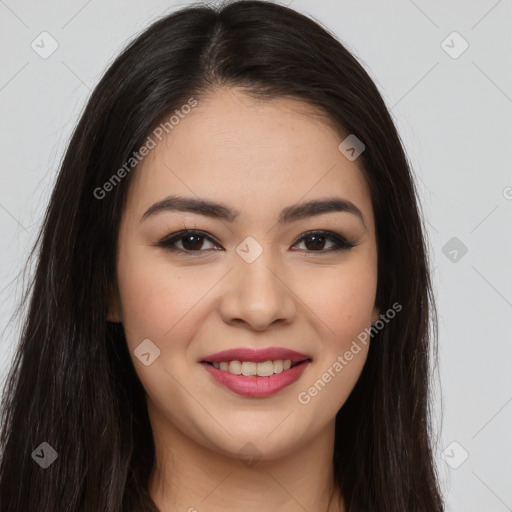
column 73, row 384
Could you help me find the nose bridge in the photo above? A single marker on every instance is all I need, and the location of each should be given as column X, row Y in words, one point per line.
column 257, row 294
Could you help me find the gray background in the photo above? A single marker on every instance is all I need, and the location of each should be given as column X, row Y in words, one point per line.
column 454, row 116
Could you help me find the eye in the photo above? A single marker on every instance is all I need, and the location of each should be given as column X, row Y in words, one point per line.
column 319, row 238
column 191, row 241
column 194, row 241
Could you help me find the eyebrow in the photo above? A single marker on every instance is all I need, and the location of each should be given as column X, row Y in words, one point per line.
column 219, row 211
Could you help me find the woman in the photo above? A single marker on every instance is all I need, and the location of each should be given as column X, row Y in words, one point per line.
column 232, row 303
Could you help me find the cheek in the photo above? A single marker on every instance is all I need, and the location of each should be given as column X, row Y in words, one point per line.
column 159, row 303
column 154, row 297
column 343, row 300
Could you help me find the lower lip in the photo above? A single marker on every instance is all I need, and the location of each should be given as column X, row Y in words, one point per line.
column 256, row 386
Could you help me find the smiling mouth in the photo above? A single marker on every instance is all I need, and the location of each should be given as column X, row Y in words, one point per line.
column 253, row 369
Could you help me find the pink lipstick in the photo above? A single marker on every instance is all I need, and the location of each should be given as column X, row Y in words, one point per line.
column 256, row 372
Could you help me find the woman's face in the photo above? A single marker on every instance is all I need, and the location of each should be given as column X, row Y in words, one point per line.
column 249, row 280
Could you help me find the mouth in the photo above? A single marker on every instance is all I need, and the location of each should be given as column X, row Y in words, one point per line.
column 256, row 379
column 256, row 369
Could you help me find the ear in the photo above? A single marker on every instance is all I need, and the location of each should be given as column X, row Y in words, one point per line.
column 114, row 306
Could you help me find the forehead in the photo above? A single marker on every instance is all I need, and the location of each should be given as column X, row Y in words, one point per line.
column 257, row 156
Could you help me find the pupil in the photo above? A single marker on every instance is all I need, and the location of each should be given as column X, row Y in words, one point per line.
column 319, row 242
column 192, row 245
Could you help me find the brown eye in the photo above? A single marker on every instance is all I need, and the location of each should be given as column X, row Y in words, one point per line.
column 315, row 241
column 190, row 241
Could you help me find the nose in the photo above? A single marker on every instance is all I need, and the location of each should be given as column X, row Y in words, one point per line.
column 257, row 294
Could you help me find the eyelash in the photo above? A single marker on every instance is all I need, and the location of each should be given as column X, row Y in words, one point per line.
column 340, row 242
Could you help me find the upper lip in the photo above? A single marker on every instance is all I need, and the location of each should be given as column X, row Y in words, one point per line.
column 256, row 355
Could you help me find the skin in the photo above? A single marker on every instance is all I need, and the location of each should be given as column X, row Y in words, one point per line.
column 257, row 157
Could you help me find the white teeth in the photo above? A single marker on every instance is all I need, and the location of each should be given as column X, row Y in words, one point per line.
column 235, row 367
column 265, row 369
column 278, row 366
column 251, row 369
